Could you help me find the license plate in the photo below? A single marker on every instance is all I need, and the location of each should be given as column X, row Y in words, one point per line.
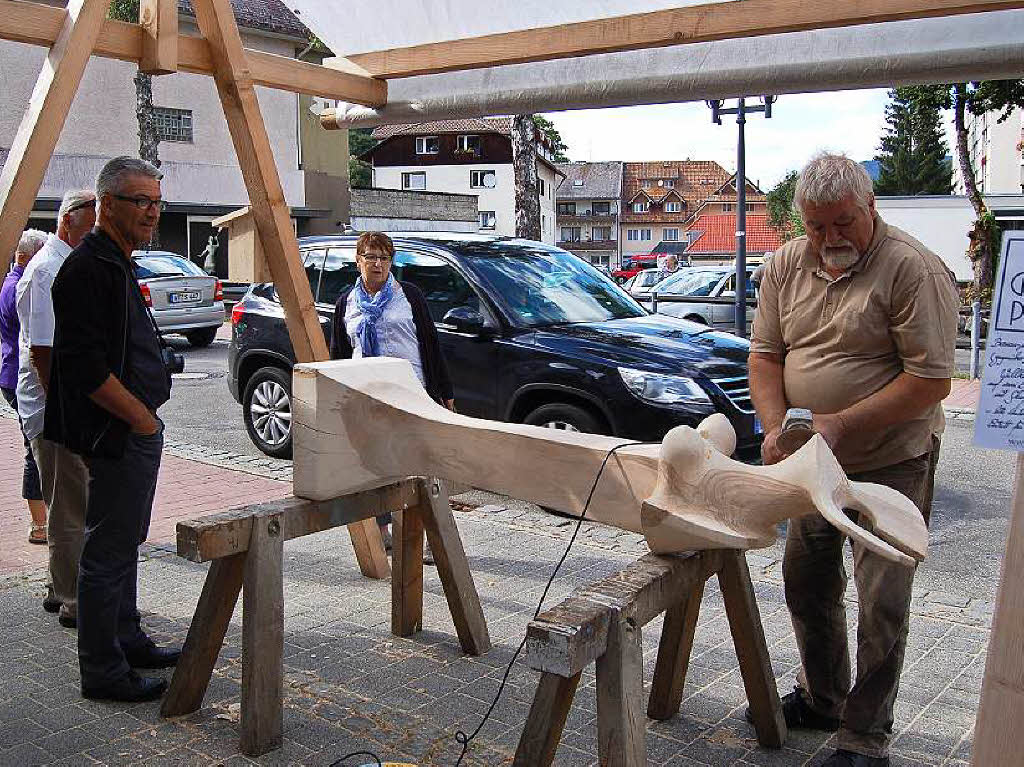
column 757, row 425
column 185, row 297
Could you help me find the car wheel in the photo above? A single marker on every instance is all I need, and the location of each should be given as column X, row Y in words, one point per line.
column 202, row 337
column 558, row 415
column 267, row 411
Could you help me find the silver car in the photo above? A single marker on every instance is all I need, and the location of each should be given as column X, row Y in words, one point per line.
column 697, row 282
column 183, row 298
column 640, row 284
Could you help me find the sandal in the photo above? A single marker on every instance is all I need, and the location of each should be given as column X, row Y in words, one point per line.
column 37, row 534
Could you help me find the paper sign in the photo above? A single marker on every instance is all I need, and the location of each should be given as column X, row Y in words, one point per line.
column 1000, row 419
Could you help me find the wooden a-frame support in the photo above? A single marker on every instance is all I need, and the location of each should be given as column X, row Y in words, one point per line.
column 50, row 103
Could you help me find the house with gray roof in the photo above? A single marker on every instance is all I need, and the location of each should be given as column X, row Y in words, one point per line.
column 202, row 180
column 587, row 211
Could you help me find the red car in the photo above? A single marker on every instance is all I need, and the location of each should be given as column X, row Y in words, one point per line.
column 632, row 265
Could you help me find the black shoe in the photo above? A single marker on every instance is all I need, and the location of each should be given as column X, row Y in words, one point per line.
column 131, row 688
column 800, row 716
column 844, row 758
column 67, row 621
column 51, row 604
column 151, row 656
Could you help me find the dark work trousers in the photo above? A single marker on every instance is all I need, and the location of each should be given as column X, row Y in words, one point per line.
column 116, row 522
column 815, row 583
column 30, row 488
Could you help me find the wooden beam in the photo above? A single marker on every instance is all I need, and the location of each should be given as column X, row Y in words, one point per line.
column 407, row 570
column 159, row 22
column 656, row 29
column 44, row 118
column 36, row 24
column 621, row 725
column 548, row 712
column 674, row 655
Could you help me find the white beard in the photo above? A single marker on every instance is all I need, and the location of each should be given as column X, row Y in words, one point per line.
column 839, row 259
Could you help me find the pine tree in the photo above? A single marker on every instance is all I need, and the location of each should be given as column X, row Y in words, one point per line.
column 913, row 152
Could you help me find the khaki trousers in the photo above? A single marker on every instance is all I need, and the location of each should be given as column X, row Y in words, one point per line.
column 64, row 480
column 815, row 583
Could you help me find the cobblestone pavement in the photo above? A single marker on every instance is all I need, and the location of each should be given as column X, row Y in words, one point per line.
column 350, row 685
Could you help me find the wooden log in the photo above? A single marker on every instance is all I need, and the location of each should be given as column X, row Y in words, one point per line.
column 752, row 650
column 226, row 533
column 44, row 117
column 704, row 22
column 621, row 725
column 368, row 546
column 674, row 655
column 453, row 569
column 205, row 636
column 159, row 22
column 407, row 571
column 37, row 24
column 262, row 708
column 546, row 720
column 1001, row 713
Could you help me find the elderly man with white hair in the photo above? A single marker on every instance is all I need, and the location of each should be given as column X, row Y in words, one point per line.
column 856, row 322
column 63, row 476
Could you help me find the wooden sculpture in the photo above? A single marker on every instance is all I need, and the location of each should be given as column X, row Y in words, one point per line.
column 364, row 423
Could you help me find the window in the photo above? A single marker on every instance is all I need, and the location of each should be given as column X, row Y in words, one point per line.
column 670, row 235
column 602, row 208
column 487, row 219
column 635, row 235
column 468, row 145
column 173, row 124
column 577, row 182
column 601, row 232
column 313, row 263
column 673, row 207
column 442, row 286
column 567, row 209
column 641, row 207
column 571, row 234
column 414, row 180
column 427, row 145
column 340, row 273
column 541, row 187
column 482, row 179
column 727, row 207
column 670, row 182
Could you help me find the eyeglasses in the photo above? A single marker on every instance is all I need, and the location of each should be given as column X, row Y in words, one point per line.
column 374, row 257
column 142, row 202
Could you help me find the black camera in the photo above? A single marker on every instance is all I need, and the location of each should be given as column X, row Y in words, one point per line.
column 173, row 362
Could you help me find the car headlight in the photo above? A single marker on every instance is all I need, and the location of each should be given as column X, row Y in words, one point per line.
column 663, row 389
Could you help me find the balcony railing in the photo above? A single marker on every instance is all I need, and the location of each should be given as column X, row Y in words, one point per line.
column 588, row 244
column 589, row 216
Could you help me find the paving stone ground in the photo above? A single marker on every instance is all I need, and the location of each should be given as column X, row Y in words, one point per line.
column 351, row 686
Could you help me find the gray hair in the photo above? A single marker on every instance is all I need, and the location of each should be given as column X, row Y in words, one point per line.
column 829, row 178
column 75, row 199
column 31, row 241
column 109, row 180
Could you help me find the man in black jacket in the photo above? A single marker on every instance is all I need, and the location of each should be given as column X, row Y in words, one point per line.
column 106, row 382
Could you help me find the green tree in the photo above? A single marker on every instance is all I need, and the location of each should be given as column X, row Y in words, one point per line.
column 550, row 132
column 1002, row 96
column 913, row 152
column 782, row 216
column 359, row 141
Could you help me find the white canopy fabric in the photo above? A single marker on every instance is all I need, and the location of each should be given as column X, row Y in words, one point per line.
column 950, row 49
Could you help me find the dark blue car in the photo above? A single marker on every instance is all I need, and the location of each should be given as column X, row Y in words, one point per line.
column 532, row 334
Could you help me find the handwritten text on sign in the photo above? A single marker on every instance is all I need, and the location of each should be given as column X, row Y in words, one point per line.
column 1000, row 421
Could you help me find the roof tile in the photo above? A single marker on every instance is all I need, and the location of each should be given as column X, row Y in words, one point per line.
column 502, row 125
column 265, row 15
column 718, row 233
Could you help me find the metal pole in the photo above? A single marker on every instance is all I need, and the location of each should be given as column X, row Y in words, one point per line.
column 741, row 224
column 654, row 302
column 975, row 339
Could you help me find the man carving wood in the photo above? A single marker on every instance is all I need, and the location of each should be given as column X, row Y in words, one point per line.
column 856, row 322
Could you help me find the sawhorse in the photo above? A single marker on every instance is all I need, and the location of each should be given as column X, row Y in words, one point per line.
column 245, row 548
column 602, row 623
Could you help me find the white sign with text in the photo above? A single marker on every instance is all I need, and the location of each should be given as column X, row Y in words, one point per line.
column 1000, row 419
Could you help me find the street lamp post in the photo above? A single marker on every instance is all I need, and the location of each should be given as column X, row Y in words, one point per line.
column 740, row 110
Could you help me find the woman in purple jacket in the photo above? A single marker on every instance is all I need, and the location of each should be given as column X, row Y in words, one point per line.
column 31, row 241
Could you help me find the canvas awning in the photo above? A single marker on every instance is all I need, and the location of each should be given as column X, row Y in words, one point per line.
column 956, row 48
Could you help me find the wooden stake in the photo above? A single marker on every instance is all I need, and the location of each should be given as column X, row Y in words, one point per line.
column 44, row 118
column 273, row 222
column 262, row 710
column 407, row 570
column 674, row 655
column 621, row 725
column 544, row 725
column 159, row 22
column 1001, row 713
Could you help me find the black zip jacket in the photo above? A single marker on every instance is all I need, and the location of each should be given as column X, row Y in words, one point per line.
column 435, row 372
column 90, row 341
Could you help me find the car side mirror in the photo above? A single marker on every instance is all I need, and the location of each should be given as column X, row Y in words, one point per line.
column 464, row 319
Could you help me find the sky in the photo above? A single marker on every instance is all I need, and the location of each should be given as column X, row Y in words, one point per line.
column 801, row 125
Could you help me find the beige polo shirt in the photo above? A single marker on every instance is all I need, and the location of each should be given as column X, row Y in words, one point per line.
column 843, row 339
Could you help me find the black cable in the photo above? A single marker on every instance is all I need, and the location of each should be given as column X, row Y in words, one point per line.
column 346, row 757
column 461, row 737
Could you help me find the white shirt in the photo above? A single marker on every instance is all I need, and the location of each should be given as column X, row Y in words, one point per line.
column 35, row 312
column 396, row 331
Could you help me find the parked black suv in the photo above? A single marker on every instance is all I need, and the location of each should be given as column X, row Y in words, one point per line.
column 532, row 334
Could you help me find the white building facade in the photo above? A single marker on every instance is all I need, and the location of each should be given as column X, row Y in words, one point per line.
column 995, row 150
